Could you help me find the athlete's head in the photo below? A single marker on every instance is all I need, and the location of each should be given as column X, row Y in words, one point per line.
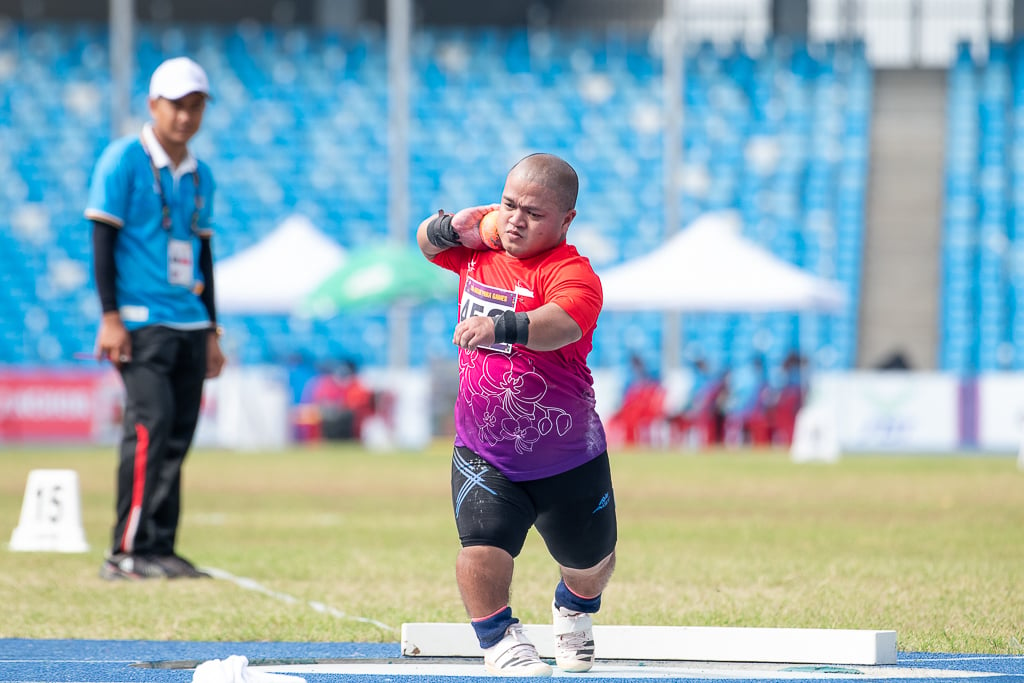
column 537, row 205
column 178, row 91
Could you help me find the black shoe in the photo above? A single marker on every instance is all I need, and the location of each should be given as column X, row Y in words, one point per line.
column 131, row 567
column 177, row 567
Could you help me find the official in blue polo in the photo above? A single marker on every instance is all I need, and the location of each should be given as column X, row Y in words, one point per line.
column 150, row 204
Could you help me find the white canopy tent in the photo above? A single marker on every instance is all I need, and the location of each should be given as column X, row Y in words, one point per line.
column 274, row 275
column 711, row 267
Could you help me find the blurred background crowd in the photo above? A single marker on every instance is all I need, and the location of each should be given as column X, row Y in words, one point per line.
column 869, row 143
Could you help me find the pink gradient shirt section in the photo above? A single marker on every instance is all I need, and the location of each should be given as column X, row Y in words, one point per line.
column 530, row 414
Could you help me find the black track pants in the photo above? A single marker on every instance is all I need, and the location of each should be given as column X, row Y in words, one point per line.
column 164, row 386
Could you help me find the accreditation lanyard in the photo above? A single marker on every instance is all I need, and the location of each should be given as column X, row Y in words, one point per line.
column 166, row 220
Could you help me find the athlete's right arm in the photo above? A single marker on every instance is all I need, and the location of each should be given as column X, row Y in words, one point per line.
column 112, row 342
column 444, row 231
column 428, row 242
column 104, row 236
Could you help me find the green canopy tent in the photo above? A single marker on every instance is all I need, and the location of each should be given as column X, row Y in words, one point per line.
column 379, row 277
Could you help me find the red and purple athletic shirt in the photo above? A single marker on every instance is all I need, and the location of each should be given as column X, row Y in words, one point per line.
column 530, row 414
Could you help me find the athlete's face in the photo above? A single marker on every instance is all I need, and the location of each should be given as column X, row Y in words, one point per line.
column 176, row 121
column 531, row 219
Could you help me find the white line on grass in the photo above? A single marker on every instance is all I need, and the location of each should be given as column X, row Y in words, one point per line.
column 252, row 585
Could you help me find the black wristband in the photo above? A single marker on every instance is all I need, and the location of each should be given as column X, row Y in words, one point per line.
column 511, row 328
column 441, row 234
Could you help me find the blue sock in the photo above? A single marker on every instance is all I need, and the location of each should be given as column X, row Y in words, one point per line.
column 490, row 630
column 574, row 603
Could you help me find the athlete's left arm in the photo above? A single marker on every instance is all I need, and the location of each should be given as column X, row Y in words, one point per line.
column 206, row 269
column 572, row 301
column 551, row 328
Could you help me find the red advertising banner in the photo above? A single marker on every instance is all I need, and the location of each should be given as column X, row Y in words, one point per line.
column 42, row 405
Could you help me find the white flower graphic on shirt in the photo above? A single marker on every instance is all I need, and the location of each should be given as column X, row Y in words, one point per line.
column 508, row 405
column 522, row 431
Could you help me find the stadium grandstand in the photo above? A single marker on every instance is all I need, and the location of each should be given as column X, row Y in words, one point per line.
column 868, row 142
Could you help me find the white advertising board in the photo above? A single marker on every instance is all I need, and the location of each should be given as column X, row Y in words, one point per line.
column 245, row 408
column 892, row 411
column 1000, row 411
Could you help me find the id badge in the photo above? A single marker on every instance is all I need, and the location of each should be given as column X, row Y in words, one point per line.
column 480, row 299
column 180, row 263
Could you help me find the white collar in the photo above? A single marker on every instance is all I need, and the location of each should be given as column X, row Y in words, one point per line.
column 159, row 157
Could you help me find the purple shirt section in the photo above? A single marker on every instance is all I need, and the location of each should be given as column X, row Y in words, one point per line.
column 531, row 414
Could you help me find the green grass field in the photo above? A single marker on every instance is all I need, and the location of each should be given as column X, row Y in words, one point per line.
column 932, row 547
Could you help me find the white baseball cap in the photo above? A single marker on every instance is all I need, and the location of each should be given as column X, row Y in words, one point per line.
column 178, row 77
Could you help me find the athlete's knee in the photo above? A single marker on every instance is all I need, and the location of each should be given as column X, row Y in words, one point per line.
column 483, row 553
column 605, row 566
column 484, row 563
column 600, row 571
column 589, row 583
column 507, row 542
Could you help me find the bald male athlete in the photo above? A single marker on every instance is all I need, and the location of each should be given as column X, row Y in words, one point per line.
column 530, row 449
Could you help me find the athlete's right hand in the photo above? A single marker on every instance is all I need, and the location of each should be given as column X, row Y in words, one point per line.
column 466, row 224
column 113, row 342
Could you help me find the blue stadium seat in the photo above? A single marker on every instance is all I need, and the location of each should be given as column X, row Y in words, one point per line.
column 299, row 121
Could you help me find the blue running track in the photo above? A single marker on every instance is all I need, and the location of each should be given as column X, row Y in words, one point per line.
column 122, row 661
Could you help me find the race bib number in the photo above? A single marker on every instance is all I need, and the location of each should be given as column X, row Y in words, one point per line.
column 480, row 299
column 180, row 263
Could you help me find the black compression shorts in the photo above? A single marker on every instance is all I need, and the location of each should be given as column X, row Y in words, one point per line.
column 574, row 512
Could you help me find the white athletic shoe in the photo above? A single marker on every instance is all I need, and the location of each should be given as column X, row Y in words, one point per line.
column 514, row 655
column 574, row 639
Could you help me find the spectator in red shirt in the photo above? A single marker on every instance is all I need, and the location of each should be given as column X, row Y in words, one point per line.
column 342, row 400
column 702, row 418
column 748, row 415
column 643, row 406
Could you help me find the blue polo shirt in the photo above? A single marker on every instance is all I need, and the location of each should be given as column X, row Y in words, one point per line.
column 158, row 277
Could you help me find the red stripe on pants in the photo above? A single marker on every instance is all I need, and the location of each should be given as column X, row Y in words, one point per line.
column 138, row 487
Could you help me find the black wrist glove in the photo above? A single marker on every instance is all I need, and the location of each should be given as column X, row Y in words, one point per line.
column 440, row 232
